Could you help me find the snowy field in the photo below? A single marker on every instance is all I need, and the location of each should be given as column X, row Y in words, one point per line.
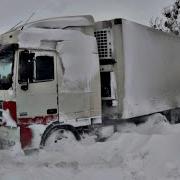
column 149, row 151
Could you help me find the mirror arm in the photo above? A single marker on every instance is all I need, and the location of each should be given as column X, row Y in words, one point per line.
column 25, row 87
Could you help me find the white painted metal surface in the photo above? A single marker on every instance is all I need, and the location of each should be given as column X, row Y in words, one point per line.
column 151, row 70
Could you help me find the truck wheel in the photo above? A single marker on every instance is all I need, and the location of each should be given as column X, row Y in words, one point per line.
column 56, row 134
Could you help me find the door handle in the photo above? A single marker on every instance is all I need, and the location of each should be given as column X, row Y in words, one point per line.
column 52, row 111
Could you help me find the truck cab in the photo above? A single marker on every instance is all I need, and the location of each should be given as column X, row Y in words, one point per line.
column 49, row 74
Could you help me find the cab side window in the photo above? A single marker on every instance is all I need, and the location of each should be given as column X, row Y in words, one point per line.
column 35, row 68
column 44, row 68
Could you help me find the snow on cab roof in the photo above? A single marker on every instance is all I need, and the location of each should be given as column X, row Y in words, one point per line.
column 31, row 35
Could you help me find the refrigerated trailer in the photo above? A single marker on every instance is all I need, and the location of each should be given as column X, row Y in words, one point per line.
column 61, row 75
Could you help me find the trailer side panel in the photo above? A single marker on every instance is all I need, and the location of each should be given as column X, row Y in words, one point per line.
column 152, row 70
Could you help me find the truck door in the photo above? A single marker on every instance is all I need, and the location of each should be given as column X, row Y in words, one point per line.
column 36, row 87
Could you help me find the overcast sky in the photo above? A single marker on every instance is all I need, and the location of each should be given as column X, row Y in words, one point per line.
column 13, row 11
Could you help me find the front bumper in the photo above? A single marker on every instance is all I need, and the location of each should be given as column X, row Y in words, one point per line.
column 9, row 137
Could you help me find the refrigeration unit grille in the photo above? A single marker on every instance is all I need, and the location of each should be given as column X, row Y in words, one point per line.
column 104, row 42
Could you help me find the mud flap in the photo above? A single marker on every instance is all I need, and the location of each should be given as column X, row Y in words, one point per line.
column 9, row 137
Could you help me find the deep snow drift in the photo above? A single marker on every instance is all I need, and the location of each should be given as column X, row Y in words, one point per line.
column 146, row 152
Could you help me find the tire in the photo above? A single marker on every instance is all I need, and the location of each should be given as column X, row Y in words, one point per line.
column 60, row 133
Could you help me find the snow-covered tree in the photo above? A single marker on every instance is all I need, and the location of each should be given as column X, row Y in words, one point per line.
column 170, row 19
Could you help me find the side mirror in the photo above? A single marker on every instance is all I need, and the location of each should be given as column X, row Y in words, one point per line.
column 26, row 69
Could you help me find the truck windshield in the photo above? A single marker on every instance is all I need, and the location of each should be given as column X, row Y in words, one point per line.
column 6, row 66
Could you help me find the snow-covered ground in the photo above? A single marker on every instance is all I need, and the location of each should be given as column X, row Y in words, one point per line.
column 149, row 151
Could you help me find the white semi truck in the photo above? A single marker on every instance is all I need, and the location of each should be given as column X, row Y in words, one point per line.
column 60, row 75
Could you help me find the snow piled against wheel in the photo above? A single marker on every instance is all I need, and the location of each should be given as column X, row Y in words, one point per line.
column 149, row 151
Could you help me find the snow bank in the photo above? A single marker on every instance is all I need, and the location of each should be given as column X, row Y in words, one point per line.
column 105, row 132
column 146, row 152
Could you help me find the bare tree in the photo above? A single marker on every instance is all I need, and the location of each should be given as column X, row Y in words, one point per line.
column 170, row 19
